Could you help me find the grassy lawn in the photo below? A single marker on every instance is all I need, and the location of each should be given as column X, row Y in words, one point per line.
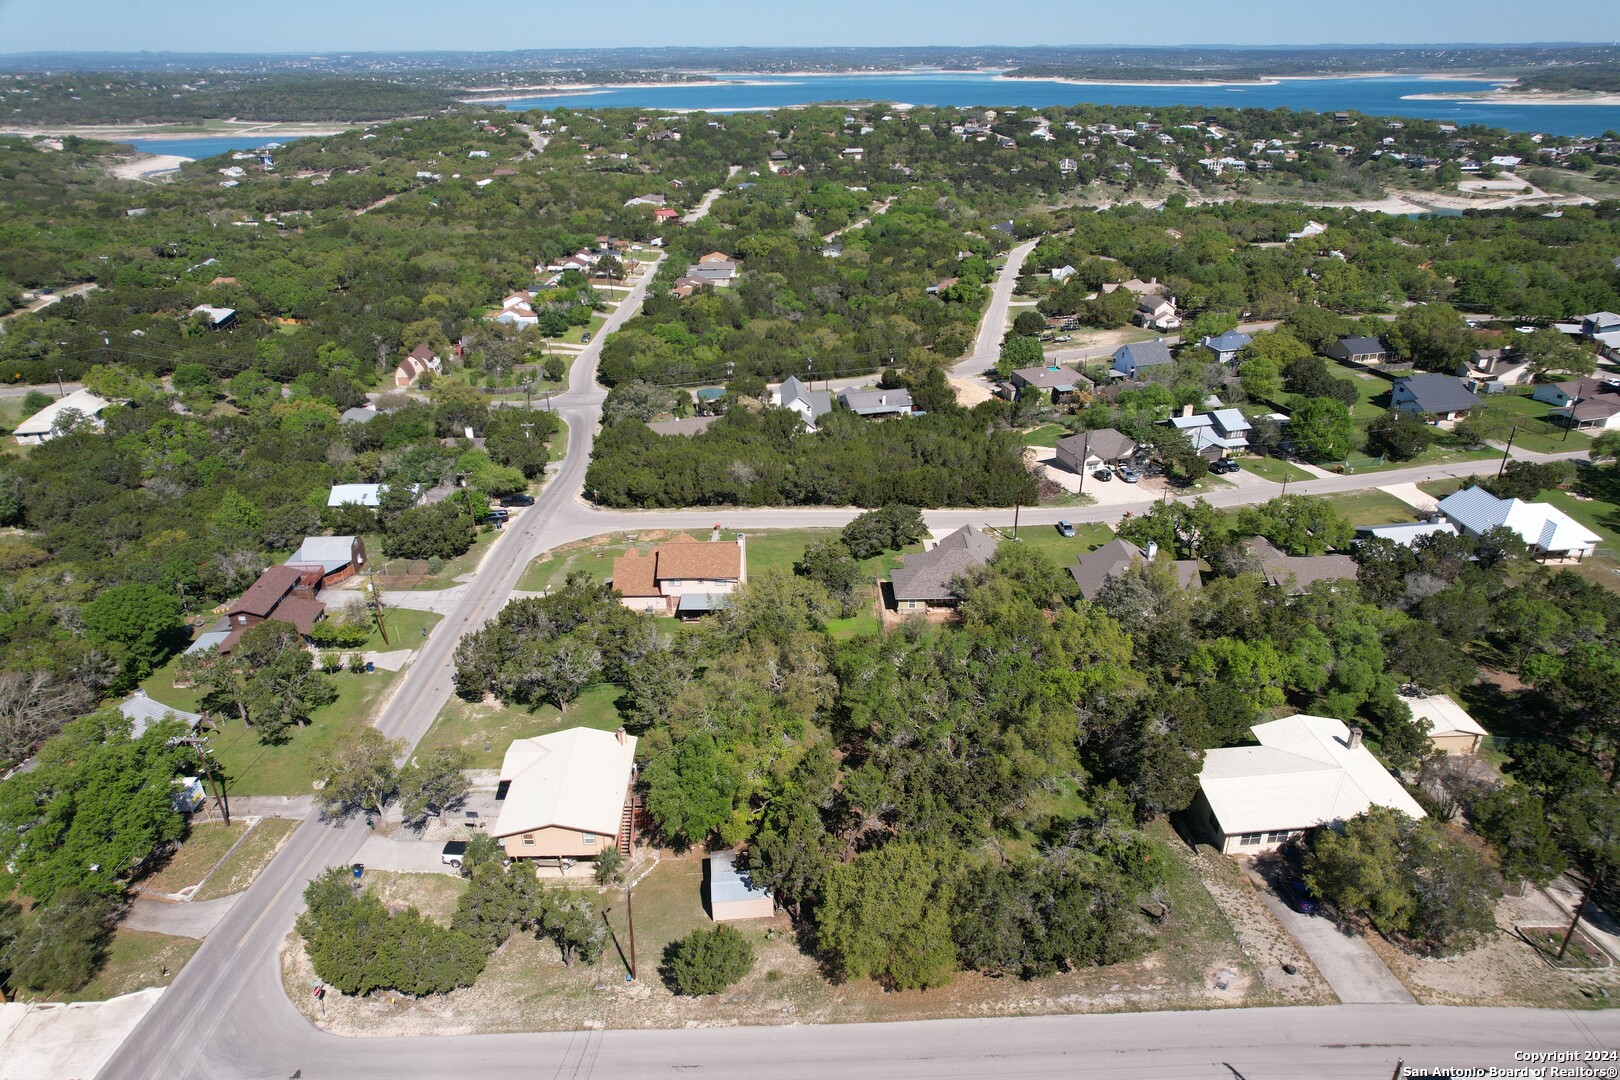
column 1516, row 408
column 473, row 726
column 1373, row 507
column 434, row 895
column 576, row 334
column 255, row 768
column 1446, row 450
column 1273, row 469
column 405, row 626
column 1063, row 550
column 1372, row 392
column 192, row 861
column 1045, row 435
column 237, row 872
column 136, row 960
column 464, row 563
column 559, row 442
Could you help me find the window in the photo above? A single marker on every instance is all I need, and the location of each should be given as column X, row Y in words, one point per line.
column 528, row 839
column 1276, row 837
column 1249, row 838
column 589, row 839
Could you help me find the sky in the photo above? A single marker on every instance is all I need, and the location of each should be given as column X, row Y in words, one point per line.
column 406, row 25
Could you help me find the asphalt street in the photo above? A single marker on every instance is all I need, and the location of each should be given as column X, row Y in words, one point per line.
column 227, row 1015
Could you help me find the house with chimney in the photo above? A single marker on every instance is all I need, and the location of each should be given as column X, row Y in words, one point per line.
column 876, row 402
column 925, row 580
column 684, row 576
column 282, row 594
column 567, row 795
column 1304, row 773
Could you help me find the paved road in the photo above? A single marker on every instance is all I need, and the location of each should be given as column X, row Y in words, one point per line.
column 992, row 327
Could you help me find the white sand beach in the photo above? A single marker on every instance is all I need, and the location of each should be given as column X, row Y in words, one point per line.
column 144, row 166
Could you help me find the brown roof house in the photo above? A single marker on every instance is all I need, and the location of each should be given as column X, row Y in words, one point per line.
column 282, row 593
column 1296, row 573
column 1091, row 450
column 1116, row 558
column 566, row 795
column 923, row 581
column 684, row 576
column 420, row 361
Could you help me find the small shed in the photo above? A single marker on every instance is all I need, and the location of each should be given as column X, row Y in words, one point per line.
column 1447, row 723
column 732, row 896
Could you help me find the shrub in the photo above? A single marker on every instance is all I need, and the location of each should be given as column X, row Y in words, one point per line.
column 708, row 961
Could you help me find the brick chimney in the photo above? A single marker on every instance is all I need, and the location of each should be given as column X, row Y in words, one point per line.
column 620, row 735
column 1354, row 740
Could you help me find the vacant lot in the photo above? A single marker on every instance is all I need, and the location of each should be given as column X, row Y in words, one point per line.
column 192, row 861
column 527, row 988
column 485, row 729
column 136, row 960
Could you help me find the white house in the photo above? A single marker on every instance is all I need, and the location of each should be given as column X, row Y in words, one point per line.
column 810, row 405
column 1548, row 530
column 1306, row 772
column 45, row 424
column 358, row 494
column 566, row 795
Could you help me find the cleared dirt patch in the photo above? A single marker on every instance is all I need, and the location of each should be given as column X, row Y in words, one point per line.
column 251, row 856
column 193, row 860
column 1263, row 940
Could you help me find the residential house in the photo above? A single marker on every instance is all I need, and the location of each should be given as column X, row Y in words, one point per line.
column 1589, row 404
column 666, row 216
column 516, row 310
column 1091, row 450
column 81, row 406
column 360, row 414
column 732, row 892
column 1405, row 534
column 1602, row 328
column 1440, row 398
column 1359, row 350
column 338, row 557
column 1214, row 434
column 1225, row 347
column 683, row 576
column 1296, row 573
column 810, row 405
column 715, row 268
column 1116, row 558
column 282, row 593
column 358, row 494
column 1306, row 773
column 1489, row 371
column 876, row 402
column 855, row 153
column 1063, row 273
column 1448, row 725
column 143, row 712
column 566, row 795
column 645, row 200
column 216, row 317
column 1157, row 313
column 419, row 362
column 923, row 580
column 1061, row 383
column 1312, row 228
column 1130, row 361
column 1548, row 531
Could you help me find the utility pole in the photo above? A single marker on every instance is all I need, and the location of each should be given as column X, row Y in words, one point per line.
column 198, row 743
column 1580, row 910
column 1507, row 450
column 528, row 431
column 1085, row 459
column 1016, row 507
column 1572, row 403
column 61, row 392
column 630, row 913
column 376, row 606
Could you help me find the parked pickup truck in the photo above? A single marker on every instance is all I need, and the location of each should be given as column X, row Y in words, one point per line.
column 454, row 851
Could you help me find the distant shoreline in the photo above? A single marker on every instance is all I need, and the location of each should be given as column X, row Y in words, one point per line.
column 269, row 130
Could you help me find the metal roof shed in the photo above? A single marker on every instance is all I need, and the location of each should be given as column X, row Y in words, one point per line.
column 732, row 895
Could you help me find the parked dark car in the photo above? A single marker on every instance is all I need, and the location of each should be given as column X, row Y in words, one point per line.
column 586, row 338
column 1102, row 474
column 518, row 500
column 1297, row 895
column 1222, row 466
column 496, row 514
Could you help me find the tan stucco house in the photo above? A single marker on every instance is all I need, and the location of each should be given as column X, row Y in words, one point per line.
column 566, row 795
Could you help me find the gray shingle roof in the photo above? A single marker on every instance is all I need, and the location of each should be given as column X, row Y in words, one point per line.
column 1142, row 354
column 1114, row 559
column 1106, row 443
column 1439, row 393
column 869, row 402
column 819, row 401
column 928, row 575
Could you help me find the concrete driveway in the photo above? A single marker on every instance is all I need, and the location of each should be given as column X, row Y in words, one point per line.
column 1346, row 961
column 406, row 856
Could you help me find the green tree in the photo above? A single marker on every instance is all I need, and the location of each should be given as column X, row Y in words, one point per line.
column 1515, row 822
column 888, row 528
column 830, row 563
column 1398, row 435
column 1358, row 868
column 886, row 916
column 143, row 620
column 1019, row 352
column 1261, row 378
column 62, row 945
column 442, row 530
column 433, row 783
column 707, row 961
column 358, row 773
column 1433, row 337
column 499, row 901
column 691, row 789
column 1029, row 324
column 1321, row 430
column 1207, row 325
column 1549, row 352
column 1299, row 524
column 576, row 931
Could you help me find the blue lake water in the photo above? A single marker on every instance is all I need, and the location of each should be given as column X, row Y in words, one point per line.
column 1380, row 96
column 198, row 148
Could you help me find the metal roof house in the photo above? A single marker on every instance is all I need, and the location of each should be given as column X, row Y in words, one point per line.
column 1548, row 530
column 1448, row 724
column 566, row 795
column 143, row 712
column 339, row 557
column 876, row 402
column 42, row 426
column 1406, row 534
column 1306, row 772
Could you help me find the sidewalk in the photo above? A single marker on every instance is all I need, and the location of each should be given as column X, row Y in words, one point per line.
column 67, row 1040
